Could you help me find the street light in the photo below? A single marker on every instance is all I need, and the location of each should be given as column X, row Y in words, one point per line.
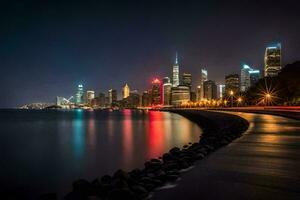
column 267, row 98
column 231, row 97
column 239, row 100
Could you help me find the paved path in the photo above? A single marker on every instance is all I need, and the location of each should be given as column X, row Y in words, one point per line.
column 262, row 164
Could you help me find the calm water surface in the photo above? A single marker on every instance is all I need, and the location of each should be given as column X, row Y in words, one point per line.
column 45, row 151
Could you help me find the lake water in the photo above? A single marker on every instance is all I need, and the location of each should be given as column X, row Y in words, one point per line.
column 45, row 151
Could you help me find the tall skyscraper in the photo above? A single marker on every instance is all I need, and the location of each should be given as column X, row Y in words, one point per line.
column 156, row 92
column 167, row 93
column 112, row 96
column 176, row 72
column 101, row 99
column 210, row 89
column 221, row 91
column 232, row 83
column 146, row 99
column 90, row 95
column 249, row 77
column 273, row 60
column 187, row 80
column 254, row 77
column 79, row 94
column 198, row 93
column 125, row 91
column 166, row 80
column 203, row 78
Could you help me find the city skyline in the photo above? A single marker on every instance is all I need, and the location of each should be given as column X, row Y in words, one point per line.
column 47, row 48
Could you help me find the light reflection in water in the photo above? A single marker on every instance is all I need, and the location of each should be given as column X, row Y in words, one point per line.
column 155, row 134
column 91, row 131
column 127, row 137
column 78, row 134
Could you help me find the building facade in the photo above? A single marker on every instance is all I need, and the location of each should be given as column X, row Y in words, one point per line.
column 249, row 77
column 90, row 95
column 232, row 83
column 156, row 92
column 273, row 60
column 79, row 95
column 176, row 72
column 221, row 91
column 210, row 90
column 125, row 91
column 187, row 80
column 180, row 95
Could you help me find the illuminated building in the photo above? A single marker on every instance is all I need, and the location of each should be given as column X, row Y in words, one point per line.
column 90, row 95
column 221, row 91
column 210, row 90
column 232, row 83
column 176, row 72
column 79, row 94
column 193, row 96
column 125, row 91
column 101, row 99
column 198, row 93
column 146, row 99
column 167, row 87
column 254, row 77
column 249, row 77
column 166, row 80
column 155, row 92
column 187, row 80
column 180, row 95
column 112, row 96
column 200, row 88
column 273, row 60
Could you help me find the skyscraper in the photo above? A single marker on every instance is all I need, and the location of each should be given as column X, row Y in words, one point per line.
column 273, row 60
column 245, row 77
column 198, row 93
column 90, row 95
column 167, row 93
column 254, row 77
column 155, row 92
column 79, row 94
column 249, row 77
column 146, row 99
column 125, row 91
column 221, row 91
column 176, row 72
column 187, row 80
column 180, row 95
column 203, row 78
column 210, row 89
column 112, row 96
column 232, row 83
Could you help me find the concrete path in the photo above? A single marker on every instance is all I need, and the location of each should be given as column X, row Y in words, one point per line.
column 262, row 164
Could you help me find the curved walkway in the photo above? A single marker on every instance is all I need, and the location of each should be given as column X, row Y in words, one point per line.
column 262, row 164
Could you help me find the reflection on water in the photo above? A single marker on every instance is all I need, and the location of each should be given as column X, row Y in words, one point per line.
column 79, row 134
column 57, row 147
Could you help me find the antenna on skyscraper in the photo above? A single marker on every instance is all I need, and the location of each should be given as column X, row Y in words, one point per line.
column 176, row 59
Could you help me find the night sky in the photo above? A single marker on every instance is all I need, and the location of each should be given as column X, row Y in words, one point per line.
column 48, row 47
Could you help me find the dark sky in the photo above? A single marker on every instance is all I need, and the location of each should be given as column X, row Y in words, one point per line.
column 48, row 47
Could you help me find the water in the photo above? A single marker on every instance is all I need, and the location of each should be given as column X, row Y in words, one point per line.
column 45, row 151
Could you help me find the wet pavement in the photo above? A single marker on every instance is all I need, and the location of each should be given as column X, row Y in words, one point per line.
column 263, row 164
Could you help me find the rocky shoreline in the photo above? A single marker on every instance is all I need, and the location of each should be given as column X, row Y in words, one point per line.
column 219, row 129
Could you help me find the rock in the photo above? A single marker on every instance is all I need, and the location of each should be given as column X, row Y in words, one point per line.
column 170, row 166
column 167, row 157
column 136, row 173
column 124, row 194
column 106, row 179
column 121, row 174
column 175, row 151
column 185, row 146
